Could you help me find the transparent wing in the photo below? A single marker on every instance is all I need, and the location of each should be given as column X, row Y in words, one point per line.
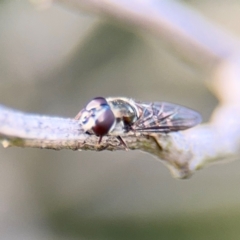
column 164, row 117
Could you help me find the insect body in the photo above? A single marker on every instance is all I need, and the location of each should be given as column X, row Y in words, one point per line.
column 116, row 116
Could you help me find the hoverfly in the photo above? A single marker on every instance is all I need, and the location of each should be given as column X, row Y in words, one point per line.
column 119, row 115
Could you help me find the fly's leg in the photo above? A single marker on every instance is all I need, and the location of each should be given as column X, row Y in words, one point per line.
column 122, row 142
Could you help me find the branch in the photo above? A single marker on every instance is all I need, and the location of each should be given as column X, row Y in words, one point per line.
column 28, row 130
column 182, row 152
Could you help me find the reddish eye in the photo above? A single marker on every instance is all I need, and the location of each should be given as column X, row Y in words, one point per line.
column 104, row 121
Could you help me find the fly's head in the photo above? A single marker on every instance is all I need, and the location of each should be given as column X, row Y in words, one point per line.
column 97, row 117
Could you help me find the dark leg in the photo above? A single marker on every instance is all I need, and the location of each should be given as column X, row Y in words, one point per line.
column 100, row 139
column 122, row 142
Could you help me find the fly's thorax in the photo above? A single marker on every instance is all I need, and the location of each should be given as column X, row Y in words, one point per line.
column 124, row 110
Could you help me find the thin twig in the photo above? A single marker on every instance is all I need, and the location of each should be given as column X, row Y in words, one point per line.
column 183, row 152
column 185, row 30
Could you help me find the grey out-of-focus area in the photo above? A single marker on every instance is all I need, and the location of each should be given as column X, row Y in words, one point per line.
column 54, row 60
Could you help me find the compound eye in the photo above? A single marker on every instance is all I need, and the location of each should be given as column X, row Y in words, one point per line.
column 96, row 103
column 104, row 121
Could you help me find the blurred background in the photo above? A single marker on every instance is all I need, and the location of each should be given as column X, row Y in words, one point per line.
column 53, row 61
